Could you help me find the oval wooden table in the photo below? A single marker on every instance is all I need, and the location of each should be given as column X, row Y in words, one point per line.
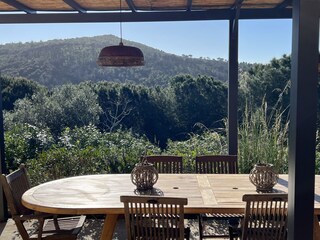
column 100, row 194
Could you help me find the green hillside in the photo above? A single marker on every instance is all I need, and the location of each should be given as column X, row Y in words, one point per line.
column 57, row 62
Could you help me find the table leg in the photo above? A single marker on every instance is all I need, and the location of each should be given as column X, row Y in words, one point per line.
column 109, row 226
column 316, row 228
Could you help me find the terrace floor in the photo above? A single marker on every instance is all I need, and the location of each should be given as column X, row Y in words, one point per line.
column 90, row 231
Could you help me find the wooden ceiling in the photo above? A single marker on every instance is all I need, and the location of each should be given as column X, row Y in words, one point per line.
column 14, row 11
column 35, row 6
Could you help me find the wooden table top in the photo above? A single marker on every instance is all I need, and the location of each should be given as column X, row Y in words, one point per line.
column 100, row 194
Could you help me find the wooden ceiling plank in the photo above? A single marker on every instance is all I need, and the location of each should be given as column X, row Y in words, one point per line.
column 131, row 5
column 284, row 4
column 189, row 5
column 20, row 6
column 75, row 5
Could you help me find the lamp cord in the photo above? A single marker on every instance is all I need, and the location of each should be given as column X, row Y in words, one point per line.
column 120, row 22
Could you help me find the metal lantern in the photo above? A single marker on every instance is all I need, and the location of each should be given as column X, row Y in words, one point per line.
column 264, row 177
column 144, row 175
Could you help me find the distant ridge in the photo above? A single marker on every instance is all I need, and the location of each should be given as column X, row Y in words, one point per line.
column 56, row 62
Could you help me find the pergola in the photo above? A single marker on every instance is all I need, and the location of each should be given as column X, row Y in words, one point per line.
column 304, row 74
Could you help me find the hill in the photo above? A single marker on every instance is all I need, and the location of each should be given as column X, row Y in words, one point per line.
column 57, row 62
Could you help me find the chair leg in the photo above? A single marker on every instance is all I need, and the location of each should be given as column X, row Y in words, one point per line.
column 22, row 230
column 187, row 233
column 200, row 227
column 234, row 230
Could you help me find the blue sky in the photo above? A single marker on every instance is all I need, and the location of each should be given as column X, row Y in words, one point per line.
column 259, row 40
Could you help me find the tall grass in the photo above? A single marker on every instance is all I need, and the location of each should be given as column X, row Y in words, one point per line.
column 263, row 138
column 208, row 142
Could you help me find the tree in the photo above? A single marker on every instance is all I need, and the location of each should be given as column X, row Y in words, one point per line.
column 17, row 88
column 199, row 100
column 67, row 106
column 144, row 110
column 269, row 83
column 116, row 111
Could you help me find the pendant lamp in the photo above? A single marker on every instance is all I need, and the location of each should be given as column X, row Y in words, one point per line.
column 120, row 55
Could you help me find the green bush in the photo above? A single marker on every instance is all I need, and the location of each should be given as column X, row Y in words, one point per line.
column 24, row 142
column 87, row 151
column 210, row 142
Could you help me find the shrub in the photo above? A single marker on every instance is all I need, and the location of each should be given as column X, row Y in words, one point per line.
column 24, row 142
column 78, row 152
column 209, row 142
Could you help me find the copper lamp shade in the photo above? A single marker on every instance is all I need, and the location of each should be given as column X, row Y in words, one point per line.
column 120, row 56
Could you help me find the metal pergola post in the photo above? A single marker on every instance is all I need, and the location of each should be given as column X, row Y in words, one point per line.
column 233, row 87
column 303, row 115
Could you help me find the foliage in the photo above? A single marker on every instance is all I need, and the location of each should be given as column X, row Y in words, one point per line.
column 200, row 100
column 67, row 106
column 163, row 113
column 136, row 108
column 267, row 82
column 23, row 142
column 57, row 62
column 158, row 113
column 317, row 163
column 209, row 142
column 67, row 131
column 263, row 138
column 263, row 132
column 85, row 150
column 16, row 88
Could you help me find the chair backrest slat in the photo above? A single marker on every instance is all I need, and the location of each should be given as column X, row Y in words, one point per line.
column 14, row 185
column 166, row 164
column 149, row 217
column 218, row 164
column 265, row 217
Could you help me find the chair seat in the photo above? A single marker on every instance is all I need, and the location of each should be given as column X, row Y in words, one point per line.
column 68, row 228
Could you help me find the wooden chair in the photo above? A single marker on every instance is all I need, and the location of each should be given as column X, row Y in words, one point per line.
column 14, row 185
column 216, row 164
column 149, row 217
column 265, row 217
column 166, row 164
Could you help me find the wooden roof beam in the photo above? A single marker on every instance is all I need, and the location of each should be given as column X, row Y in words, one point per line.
column 76, row 6
column 219, row 14
column 131, row 5
column 189, row 5
column 20, row 6
column 284, row 4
